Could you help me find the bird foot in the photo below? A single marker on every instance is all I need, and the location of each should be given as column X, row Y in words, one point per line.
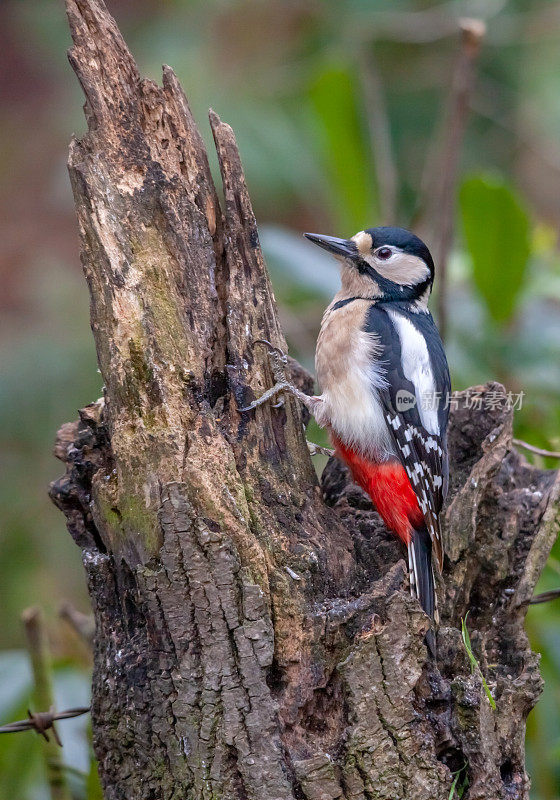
column 278, row 363
column 317, row 449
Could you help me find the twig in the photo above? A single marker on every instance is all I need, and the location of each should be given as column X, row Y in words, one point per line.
column 430, row 25
column 83, row 624
column 445, row 168
column 38, row 647
column 379, row 136
column 544, row 597
column 538, row 450
column 475, row 666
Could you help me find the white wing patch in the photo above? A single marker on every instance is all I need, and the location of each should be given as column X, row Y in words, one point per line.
column 417, row 368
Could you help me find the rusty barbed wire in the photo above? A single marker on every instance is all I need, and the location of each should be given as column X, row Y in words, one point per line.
column 42, row 721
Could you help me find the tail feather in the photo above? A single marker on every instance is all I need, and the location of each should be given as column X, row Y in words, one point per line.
column 422, row 578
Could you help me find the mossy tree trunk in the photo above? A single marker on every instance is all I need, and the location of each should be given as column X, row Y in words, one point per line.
column 254, row 634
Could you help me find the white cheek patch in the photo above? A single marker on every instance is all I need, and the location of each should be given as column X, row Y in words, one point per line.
column 402, row 268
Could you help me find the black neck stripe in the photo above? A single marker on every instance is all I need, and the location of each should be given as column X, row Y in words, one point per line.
column 394, row 294
column 342, row 303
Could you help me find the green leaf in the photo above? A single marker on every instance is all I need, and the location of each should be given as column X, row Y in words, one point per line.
column 346, row 157
column 497, row 234
column 458, row 789
column 474, row 663
column 93, row 787
column 453, row 785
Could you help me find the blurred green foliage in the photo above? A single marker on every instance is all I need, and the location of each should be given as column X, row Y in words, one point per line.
column 496, row 228
column 334, row 97
column 290, row 78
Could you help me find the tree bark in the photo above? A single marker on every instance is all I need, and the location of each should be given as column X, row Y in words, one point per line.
column 255, row 637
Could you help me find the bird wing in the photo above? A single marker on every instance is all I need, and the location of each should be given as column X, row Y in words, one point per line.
column 414, row 404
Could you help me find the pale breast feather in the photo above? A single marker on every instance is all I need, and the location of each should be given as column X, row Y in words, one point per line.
column 350, row 375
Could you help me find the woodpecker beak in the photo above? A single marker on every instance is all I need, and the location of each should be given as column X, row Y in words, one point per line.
column 344, row 248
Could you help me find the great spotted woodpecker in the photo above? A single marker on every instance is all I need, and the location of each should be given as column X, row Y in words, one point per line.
column 384, row 380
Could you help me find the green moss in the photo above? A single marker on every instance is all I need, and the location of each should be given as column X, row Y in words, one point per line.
column 143, row 373
column 149, row 258
column 249, row 492
column 152, row 421
column 161, row 320
column 126, row 519
column 139, row 521
column 164, row 311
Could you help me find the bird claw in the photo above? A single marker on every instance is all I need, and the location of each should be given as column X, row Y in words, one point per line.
column 278, row 363
column 268, row 395
column 272, row 349
column 317, row 449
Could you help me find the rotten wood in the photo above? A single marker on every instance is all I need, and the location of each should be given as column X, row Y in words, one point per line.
column 255, row 637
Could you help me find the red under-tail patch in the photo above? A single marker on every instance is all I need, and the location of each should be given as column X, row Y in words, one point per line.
column 389, row 488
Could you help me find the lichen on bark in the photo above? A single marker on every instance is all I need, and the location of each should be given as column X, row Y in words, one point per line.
column 254, row 632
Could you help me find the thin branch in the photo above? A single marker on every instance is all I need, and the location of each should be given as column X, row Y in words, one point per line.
column 39, row 652
column 545, row 597
column 445, row 169
column 419, row 27
column 83, row 624
column 379, row 135
column 439, row 22
column 538, row 450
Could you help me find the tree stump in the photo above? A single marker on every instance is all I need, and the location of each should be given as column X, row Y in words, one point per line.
column 255, row 637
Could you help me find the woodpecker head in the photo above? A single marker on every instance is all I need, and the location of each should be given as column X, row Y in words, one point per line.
column 382, row 263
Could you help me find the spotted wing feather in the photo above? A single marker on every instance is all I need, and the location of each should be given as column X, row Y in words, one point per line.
column 424, row 472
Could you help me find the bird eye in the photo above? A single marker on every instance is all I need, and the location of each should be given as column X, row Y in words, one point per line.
column 384, row 253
